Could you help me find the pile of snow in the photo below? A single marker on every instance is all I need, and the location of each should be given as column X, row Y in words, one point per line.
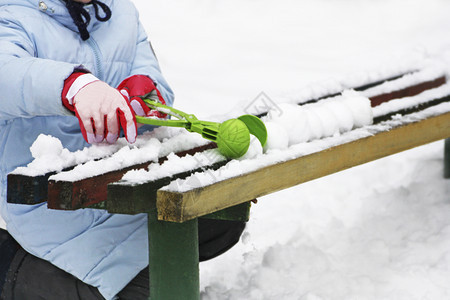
column 173, row 165
column 149, row 147
column 277, row 136
column 318, row 120
column 50, row 156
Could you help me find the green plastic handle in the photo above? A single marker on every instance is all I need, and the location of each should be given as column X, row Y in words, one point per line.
column 160, row 122
column 208, row 130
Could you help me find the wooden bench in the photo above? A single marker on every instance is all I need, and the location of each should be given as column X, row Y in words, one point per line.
column 173, row 216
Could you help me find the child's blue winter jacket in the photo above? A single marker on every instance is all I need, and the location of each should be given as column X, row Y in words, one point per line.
column 39, row 48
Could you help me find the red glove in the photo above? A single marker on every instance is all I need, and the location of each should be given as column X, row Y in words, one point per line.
column 137, row 86
column 100, row 108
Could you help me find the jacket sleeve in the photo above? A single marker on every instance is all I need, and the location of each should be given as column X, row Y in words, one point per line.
column 29, row 86
column 146, row 63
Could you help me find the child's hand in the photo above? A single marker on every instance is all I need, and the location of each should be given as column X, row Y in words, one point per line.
column 102, row 110
column 137, row 86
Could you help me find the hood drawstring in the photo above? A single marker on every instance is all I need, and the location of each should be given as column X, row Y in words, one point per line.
column 81, row 17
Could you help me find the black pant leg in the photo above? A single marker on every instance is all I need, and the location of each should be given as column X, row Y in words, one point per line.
column 217, row 236
column 32, row 278
column 138, row 288
column 8, row 249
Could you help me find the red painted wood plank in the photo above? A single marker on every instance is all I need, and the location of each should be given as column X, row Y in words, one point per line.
column 90, row 191
column 408, row 91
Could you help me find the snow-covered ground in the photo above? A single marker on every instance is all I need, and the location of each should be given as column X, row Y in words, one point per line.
column 377, row 231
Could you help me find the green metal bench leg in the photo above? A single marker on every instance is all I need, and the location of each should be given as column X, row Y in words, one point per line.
column 173, row 259
column 447, row 158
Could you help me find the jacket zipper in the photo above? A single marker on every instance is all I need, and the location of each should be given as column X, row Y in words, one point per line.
column 97, row 55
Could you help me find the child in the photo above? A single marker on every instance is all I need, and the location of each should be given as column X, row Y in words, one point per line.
column 57, row 58
column 72, row 69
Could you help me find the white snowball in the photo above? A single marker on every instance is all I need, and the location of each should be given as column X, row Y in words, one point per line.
column 315, row 123
column 293, row 119
column 255, row 149
column 46, row 145
column 343, row 114
column 277, row 137
column 328, row 120
column 360, row 108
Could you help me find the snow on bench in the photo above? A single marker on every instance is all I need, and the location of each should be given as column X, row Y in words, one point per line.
column 95, row 166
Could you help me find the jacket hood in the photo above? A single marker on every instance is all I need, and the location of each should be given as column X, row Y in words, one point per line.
column 57, row 10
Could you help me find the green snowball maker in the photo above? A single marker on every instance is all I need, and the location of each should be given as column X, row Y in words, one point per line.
column 232, row 136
